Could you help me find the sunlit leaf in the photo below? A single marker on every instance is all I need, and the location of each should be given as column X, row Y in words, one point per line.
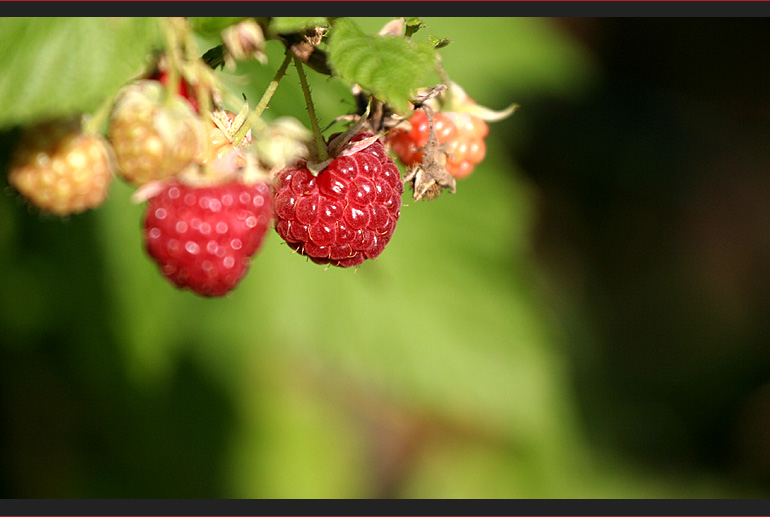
column 392, row 68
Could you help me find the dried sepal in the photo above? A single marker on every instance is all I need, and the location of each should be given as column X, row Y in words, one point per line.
column 430, row 177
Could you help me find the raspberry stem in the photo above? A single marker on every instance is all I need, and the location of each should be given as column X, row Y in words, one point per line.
column 199, row 69
column 263, row 102
column 170, row 36
column 448, row 94
column 93, row 122
column 320, row 145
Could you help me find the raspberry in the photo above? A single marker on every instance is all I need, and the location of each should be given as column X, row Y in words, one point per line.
column 154, row 138
column 60, row 169
column 203, row 238
column 345, row 214
column 461, row 133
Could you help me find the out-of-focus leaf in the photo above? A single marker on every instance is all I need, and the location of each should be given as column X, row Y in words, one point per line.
column 294, row 443
column 61, row 66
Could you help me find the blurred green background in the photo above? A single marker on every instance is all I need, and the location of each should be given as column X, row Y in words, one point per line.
column 587, row 317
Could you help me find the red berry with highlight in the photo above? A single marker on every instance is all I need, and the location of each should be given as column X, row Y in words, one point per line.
column 344, row 215
column 204, row 237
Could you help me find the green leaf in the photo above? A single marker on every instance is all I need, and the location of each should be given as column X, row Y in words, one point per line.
column 439, row 42
column 215, row 57
column 286, row 24
column 212, row 25
column 61, row 66
column 389, row 67
column 413, row 25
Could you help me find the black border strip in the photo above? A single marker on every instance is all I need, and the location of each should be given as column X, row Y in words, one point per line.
column 462, row 507
column 542, row 8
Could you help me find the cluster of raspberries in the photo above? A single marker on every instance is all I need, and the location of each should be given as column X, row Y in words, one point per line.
column 203, row 235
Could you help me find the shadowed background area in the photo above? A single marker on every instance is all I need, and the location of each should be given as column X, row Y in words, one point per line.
column 655, row 221
column 586, row 316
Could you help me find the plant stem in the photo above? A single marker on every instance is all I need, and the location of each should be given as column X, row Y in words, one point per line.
column 448, row 93
column 319, row 139
column 93, row 123
column 263, row 102
column 195, row 67
column 171, row 39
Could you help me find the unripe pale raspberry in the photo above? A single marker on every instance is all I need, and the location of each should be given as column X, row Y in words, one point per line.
column 154, row 137
column 60, row 169
column 344, row 215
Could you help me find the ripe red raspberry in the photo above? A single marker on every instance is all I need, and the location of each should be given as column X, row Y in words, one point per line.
column 344, row 215
column 204, row 237
column 462, row 133
column 154, row 138
column 60, row 169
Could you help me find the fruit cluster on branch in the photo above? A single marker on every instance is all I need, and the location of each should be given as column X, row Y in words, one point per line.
column 214, row 182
